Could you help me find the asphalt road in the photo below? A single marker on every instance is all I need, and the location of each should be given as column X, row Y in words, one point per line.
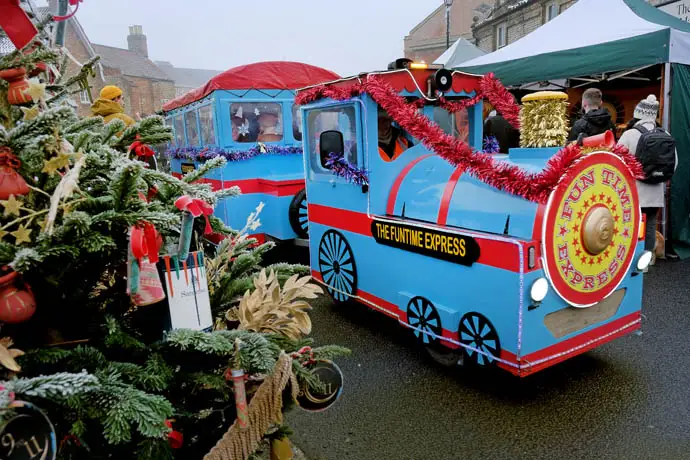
column 629, row 399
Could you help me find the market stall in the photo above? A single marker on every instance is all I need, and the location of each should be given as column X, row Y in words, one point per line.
column 628, row 49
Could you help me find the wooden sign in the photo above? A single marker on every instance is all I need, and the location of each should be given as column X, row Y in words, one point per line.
column 28, row 435
column 448, row 246
column 187, row 167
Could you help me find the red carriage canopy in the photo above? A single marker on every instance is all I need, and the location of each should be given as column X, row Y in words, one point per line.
column 260, row 75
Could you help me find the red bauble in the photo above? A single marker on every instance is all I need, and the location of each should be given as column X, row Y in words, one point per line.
column 18, row 83
column 17, row 302
column 11, row 182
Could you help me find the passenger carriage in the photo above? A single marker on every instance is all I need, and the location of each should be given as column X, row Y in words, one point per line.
column 247, row 114
column 481, row 275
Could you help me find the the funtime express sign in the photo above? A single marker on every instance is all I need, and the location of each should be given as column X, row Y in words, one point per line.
column 591, row 229
column 451, row 247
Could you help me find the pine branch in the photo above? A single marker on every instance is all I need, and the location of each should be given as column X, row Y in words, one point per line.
column 195, row 175
column 55, row 387
column 116, row 337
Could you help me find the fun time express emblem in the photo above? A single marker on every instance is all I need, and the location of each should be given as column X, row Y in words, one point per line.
column 592, row 224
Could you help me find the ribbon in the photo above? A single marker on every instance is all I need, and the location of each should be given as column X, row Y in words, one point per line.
column 196, row 207
column 141, row 149
column 16, row 23
column 175, row 438
column 145, row 242
column 74, row 3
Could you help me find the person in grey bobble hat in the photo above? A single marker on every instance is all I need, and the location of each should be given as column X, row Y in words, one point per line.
column 651, row 195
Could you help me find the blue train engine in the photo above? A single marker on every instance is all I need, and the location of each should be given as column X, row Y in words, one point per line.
column 247, row 115
column 518, row 260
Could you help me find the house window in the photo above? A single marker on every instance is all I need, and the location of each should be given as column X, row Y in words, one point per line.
column 256, row 121
column 501, row 36
column 84, row 97
column 551, row 11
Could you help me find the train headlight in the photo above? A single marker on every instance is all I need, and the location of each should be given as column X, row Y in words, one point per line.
column 644, row 260
column 539, row 289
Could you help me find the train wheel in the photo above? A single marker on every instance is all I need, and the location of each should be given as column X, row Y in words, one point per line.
column 478, row 333
column 297, row 214
column 337, row 266
column 423, row 316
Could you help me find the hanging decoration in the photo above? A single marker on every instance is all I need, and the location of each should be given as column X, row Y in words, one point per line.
column 491, row 144
column 11, row 182
column 192, row 207
column 535, row 187
column 208, row 153
column 16, row 23
column 16, row 93
column 175, row 438
column 75, row 4
column 28, row 434
column 340, row 167
column 17, row 302
column 140, row 149
column 544, row 119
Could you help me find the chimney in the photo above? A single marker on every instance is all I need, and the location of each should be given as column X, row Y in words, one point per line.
column 136, row 41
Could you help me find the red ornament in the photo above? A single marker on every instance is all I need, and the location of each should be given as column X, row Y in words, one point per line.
column 175, row 438
column 11, row 182
column 18, row 83
column 17, row 302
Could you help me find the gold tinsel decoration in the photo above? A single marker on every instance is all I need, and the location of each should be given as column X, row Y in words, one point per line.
column 544, row 120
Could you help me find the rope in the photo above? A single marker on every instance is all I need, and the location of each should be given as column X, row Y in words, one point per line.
column 264, row 409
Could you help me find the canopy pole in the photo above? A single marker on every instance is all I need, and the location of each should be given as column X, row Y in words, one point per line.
column 666, row 124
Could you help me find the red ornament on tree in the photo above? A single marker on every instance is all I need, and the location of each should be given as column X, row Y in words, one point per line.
column 11, row 182
column 17, row 302
column 18, row 83
column 16, row 23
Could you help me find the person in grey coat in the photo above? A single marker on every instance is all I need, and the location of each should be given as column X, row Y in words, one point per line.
column 651, row 195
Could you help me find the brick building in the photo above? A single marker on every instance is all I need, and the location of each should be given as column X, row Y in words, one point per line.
column 427, row 40
column 509, row 20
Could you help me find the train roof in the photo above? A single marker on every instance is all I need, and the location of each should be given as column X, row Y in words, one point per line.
column 280, row 75
column 409, row 80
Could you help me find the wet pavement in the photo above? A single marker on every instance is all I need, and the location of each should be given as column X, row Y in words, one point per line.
column 629, row 399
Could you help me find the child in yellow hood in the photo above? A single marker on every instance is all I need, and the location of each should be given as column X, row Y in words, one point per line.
column 110, row 105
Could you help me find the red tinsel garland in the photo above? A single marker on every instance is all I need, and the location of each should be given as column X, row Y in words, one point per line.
column 534, row 187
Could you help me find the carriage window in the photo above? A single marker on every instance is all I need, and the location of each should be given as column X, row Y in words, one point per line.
column 296, row 122
column 333, row 118
column 256, row 121
column 456, row 124
column 179, row 130
column 208, row 135
column 191, row 127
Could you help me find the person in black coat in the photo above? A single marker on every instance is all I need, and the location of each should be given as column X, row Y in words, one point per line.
column 507, row 136
column 596, row 120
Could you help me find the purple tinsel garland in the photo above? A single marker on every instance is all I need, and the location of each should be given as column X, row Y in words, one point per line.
column 208, row 153
column 491, row 145
column 340, row 167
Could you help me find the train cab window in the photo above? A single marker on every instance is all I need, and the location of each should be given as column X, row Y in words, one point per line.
column 208, row 134
column 178, row 126
column 191, row 128
column 456, row 124
column 341, row 119
column 393, row 141
column 296, row 122
column 256, row 121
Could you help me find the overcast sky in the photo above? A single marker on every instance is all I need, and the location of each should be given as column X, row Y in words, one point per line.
column 347, row 37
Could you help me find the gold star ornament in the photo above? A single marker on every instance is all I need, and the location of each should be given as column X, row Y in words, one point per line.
column 36, row 90
column 30, row 114
column 54, row 164
column 22, row 235
column 12, row 206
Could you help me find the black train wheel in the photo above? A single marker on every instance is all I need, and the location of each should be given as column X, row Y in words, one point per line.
column 297, row 214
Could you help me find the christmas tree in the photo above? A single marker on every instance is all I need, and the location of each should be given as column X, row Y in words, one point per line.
column 73, row 342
